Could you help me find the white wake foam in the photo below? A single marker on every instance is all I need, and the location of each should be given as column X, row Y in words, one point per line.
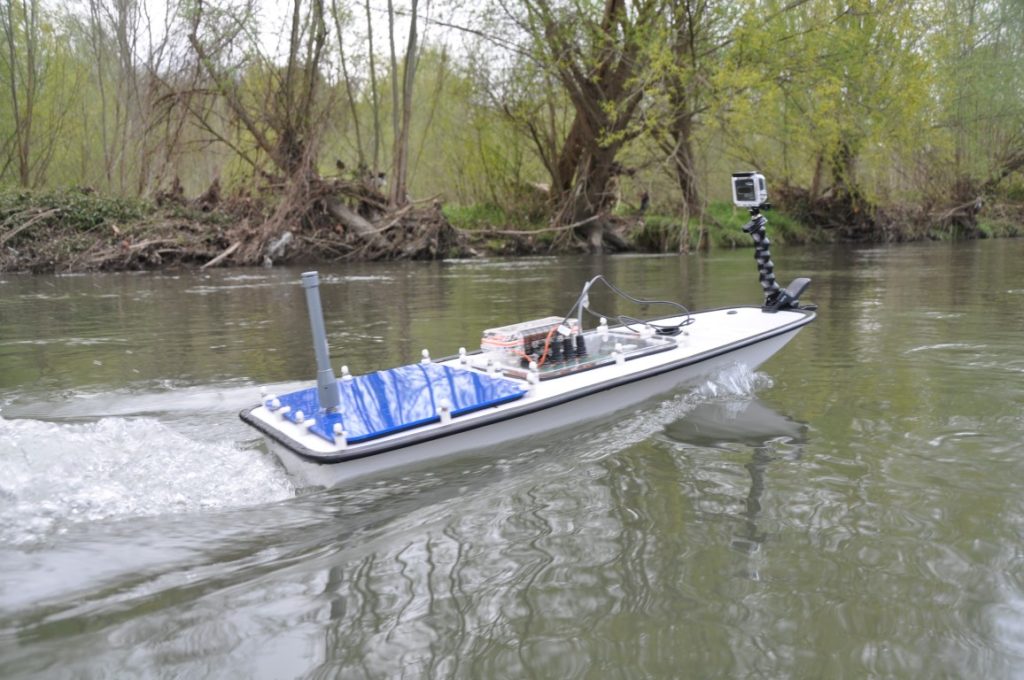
column 55, row 475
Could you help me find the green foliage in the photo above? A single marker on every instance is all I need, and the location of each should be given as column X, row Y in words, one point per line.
column 658, row 233
column 781, row 227
column 74, row 210
column 844, row 79
column 908, row 103
column 723, row 225
column 980, row 107
column 477, row 216
column 1001, row 227
column 489, row 216
column 40, row 76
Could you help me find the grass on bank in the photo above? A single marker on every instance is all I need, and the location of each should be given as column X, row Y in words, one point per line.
column 481, row 216
column 1000, row 228
column 67, row 221
column 658, row 233
column 724, row 225
column 486, row 217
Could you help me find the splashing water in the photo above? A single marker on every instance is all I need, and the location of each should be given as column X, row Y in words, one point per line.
column 56, row 475
column 734, row 382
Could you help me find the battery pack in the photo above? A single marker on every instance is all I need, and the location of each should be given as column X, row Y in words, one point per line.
column 508, row 345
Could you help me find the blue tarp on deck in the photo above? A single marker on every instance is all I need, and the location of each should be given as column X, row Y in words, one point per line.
column 381, row 403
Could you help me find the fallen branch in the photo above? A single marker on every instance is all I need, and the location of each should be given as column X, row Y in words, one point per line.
column 220, row 258
column 395, row 220
column 970, row 207
column 544, row 230
column 424, row 201
column 38, row 218
column 151, row 242
column 352, row 220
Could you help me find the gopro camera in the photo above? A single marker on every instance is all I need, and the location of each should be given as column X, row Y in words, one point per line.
column 749, row 190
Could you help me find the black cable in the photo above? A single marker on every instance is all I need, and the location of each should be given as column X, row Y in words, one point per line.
column 660, row 329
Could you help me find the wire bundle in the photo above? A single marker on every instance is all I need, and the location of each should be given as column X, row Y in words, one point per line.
column 582, row 303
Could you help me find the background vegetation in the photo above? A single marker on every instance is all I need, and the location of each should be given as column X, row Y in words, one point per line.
column 609, row 123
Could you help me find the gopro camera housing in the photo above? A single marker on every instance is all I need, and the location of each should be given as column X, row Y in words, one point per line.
column 749, row 190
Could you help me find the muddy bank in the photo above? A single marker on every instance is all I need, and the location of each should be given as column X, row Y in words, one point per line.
column 849, row 217
column 79, row 230
column 321, row 221
column 75, row 231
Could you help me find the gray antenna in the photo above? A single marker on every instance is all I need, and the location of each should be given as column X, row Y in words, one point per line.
column 326, row 385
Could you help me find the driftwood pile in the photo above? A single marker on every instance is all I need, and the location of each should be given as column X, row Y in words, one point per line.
column 318, row 220
column 337, row 219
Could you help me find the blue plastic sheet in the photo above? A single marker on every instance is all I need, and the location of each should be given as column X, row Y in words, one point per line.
column 381, row 403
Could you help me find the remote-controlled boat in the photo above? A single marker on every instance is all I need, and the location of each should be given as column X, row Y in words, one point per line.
column 525, row 379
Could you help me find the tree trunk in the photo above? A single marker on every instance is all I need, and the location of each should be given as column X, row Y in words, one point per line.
column 604, row 96
column 591, row 200
column 569, row 157
column 819, row 164
column 349, row 93
column 22, row 53
column 394, row 90
column 399, row 186
column 375, row 167
column 685, row 164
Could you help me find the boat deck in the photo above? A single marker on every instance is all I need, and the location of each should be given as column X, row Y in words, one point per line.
column 715, row 333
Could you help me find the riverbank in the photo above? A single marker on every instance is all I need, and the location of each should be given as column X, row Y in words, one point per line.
column 79, row 230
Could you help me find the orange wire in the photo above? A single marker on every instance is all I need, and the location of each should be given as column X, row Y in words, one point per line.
column 547, row 345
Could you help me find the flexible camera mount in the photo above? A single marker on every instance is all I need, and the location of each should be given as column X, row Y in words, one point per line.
column 775, row 297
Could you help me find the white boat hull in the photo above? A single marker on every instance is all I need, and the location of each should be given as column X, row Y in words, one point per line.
column 718, row 339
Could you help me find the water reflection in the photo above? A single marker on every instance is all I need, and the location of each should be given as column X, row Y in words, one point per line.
column 750, row 423
column 559, row 555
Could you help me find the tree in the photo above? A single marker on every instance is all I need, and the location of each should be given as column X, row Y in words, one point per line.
column 981, row 67
column 818, row 87
column 684, row 65
column 400, row 167
column 24, row 61
column 127, row 60
column 595, row 53
column 280, row 107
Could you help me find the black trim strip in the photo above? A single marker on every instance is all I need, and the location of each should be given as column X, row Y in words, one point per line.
column 376, row 448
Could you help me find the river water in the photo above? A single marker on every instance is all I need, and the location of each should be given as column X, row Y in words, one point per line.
column 853, row 509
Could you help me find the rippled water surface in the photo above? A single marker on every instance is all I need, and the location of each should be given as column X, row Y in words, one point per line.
column 853, row 509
